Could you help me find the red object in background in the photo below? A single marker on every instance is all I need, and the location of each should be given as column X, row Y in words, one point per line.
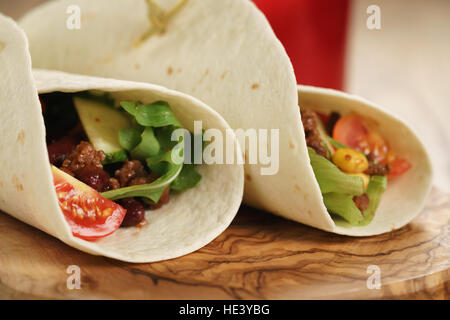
column 314, row 35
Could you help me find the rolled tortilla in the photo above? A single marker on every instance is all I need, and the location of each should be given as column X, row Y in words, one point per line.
column 405, row 195
column 226, row 54
column 189, row 221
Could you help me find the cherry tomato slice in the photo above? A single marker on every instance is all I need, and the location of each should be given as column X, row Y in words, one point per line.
column 90, row 216
column 353, row 131
column 398, row 167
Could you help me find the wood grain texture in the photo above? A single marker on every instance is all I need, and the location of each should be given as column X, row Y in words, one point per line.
column 259, row 256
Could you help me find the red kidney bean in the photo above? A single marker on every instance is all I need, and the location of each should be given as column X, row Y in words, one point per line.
column 94, row 177
column 135, row 212
column 162, row 200
column 60, row 149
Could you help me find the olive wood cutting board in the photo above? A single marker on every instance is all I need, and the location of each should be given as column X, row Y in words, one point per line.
column 260, row 256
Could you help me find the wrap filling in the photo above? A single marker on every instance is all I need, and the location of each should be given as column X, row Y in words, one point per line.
column 112, row 162
column 352, row 163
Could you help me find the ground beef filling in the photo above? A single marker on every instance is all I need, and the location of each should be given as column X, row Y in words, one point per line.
column 82, row 156
column 133, row 173
column 377, row 169
column 312, row 134
column 83, row 162
column 68, row 150
column 361, row 202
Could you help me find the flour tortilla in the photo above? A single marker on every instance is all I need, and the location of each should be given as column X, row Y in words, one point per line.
column 224, row 53
column 189, row 221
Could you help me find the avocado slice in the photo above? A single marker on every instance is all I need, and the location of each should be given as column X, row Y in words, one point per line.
column 102, row 123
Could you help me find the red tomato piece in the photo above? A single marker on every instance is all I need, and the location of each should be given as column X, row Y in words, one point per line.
column 90, row 216
column 353, row 131
column 398, row 167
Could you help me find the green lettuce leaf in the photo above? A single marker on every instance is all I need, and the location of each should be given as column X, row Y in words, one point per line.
column 188, row 178
column 156, row 114
column 377, row 186
column 147, row 147
column 115, row 157
column 149, row 140
column 344, row 206
column 331, row 179
column 152, row 190
column 129, row 138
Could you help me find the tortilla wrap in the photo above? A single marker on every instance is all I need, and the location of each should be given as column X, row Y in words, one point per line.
column 226, row 54
column 405, row 195
column 189, row 221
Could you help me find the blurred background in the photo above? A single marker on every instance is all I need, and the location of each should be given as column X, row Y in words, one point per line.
column 403, row 64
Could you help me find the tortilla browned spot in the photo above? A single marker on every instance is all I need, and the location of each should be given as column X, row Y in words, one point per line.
column 222, row 76
column 16, row 183
column 255, row 86
column 169, row 71
column 291, row 145
column 87, row 17
column 2, row 46
column 204, row 76
column 297, row 187
column 104, row 60
column 137, row 66
column 21, row 137
column 248, row 177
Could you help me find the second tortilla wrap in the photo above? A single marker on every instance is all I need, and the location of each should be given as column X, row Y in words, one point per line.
column 226, row 54
column 188, row 222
